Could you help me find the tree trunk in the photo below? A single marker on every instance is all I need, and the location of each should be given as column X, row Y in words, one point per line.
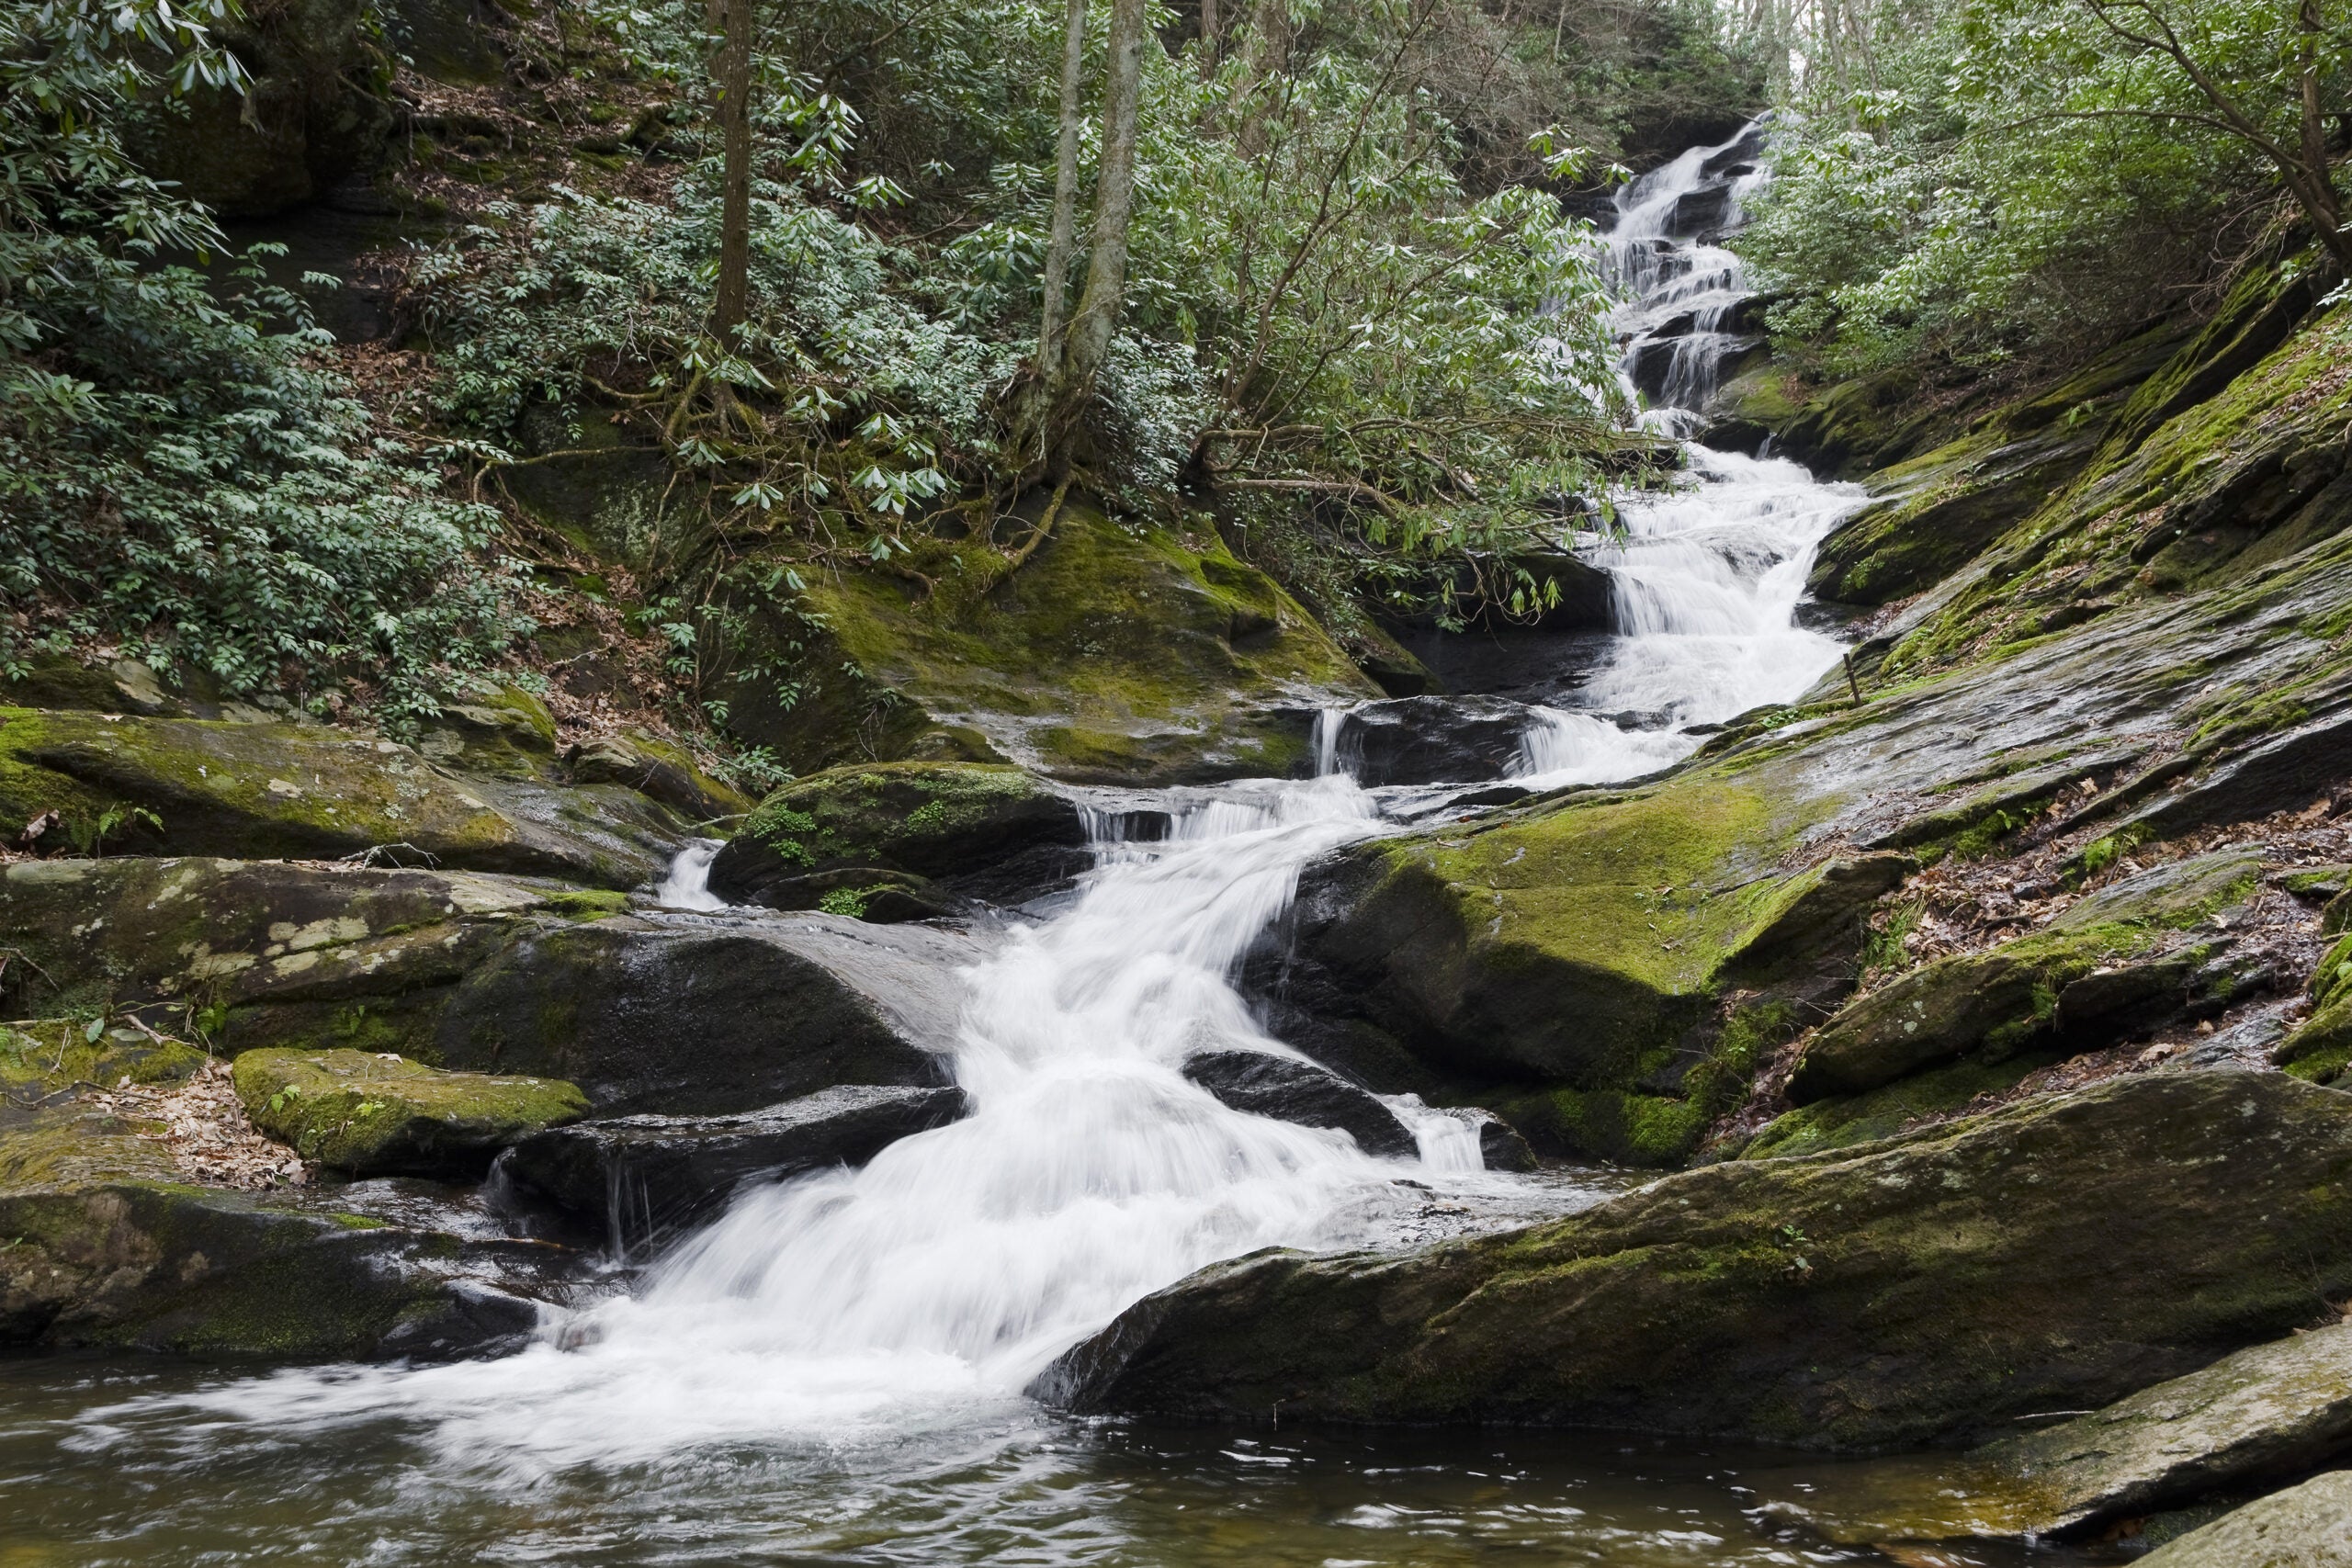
column 1063, row 239
column 735, row 181
column 1097, row 318
column 1208, row 36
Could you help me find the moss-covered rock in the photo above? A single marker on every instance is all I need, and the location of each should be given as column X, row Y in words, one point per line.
column 374, row 1115
column 193, row 786
column 2111, row 963
column 1114, row 654
column 1841, row 1121
column 923, row 831
column 2059, row 1254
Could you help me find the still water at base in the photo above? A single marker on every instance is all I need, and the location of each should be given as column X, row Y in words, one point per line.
column 97, row 1469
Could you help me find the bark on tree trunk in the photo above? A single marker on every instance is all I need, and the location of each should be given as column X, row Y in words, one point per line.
column 1063, row 238
column 1097, row 317
column 1208, row 36
column 735, row 180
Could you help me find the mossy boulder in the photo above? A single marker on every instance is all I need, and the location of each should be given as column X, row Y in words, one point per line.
column 2059, row 1254
column 891, row 839
column 195, row 786
column 110, row 1245
column 1840, row 1122
column 646, row 1011
column 374, row 1115
column 1115, row 655
column 2116, row 961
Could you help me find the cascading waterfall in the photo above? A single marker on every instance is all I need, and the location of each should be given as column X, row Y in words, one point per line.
column 1706, row 577
column 940, row 1279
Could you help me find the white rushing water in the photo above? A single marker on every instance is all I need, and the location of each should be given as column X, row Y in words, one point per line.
column 932, row 1285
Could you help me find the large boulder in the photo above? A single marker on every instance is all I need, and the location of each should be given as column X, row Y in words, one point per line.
column 199, row 787
column 2059, row 1254
column 688, row 1015
column 371, row 1114
column 645, row 1177
column 1289, row 1089
column 649, row 1011
column 901, row 840
column 1426, row 740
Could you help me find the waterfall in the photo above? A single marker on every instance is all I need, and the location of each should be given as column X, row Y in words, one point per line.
column 925, row 1289
column 1706, row 577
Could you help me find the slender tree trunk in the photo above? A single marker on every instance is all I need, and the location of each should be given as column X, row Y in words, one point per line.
column 1097, row 317
column 1208, row 36
column 2327, row 213
column 735, row 181
column 1063, row 239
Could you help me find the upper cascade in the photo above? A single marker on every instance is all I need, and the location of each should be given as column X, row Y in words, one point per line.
column 1687, row 307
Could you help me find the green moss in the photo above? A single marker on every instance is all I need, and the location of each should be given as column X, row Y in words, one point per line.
column 365, row 1113
column 1609, row 1124
column 46, row 1057
column 585, row 903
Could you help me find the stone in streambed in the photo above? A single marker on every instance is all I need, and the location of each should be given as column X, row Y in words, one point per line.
column 1289, row 1089
column 1500, row 1146
column 1429, row 739
column 2303, row 1527
column 2059, row 1254
column 648, row 1175
column 903, row 839
column 376, row 1115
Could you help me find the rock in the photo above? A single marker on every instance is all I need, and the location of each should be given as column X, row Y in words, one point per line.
column 1112, row 657
column 660, row 770
column 1499, row 1143
column 2276, row 1409
column 1422, row 740
column 112, row 1246
column 689, row 1015
column 2057, row 1254
column 931, row 832
column 2111, row 963
column 1289, row 1089
column 375, row 1115
column 648, row 1176
column 2285, row 771
column 2300, row 1527
column 657, row 1011
column 262, row 790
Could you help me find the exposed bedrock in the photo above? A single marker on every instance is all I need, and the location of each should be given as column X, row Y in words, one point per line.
column 2058, row 1254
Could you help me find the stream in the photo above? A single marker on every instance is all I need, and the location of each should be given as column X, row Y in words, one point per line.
column 833, row 1372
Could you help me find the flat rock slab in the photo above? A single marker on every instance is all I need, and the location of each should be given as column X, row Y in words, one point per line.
column 646, row 1175
column 2304, row 1527
column 378, row 1115
column 2056, row 1254
column 2271, row 1410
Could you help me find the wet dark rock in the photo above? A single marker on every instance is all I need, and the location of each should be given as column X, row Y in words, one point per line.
column 2055, row 1254
column 2278, row 773
column 1291, row 1091
column 1499, row 1143
column 904, row 840
column 1420, row 740
column 691, row 1016
column 647, row 1175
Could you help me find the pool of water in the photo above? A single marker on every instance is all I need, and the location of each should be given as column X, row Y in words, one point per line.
column 118, row 1462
